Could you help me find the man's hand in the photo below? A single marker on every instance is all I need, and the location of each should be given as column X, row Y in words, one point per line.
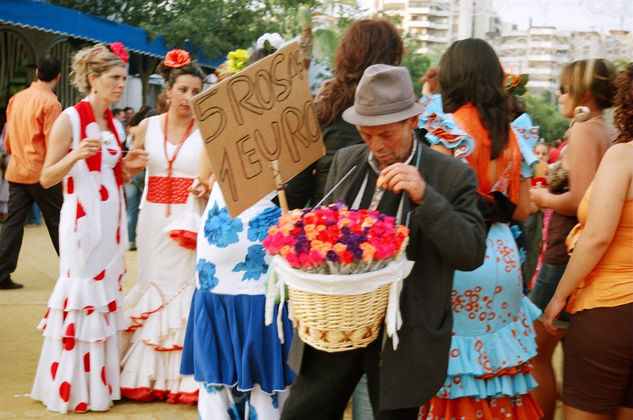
column 400, row 177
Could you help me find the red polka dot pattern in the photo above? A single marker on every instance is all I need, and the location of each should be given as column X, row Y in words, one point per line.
column 104, row 193
column 64, row 391
column 70, row 185
column 80, row 211
column 69, row 343
column 87, row 362
column 112, row 306
column 54, row 367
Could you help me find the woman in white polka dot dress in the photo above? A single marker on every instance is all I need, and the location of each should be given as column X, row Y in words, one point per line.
column 79, row 364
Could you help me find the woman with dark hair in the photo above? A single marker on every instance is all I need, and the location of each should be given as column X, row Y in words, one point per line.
column 597, row 286
column 586, row 89
column 492, row 340
column 80, row 360
column 159, row 302
column 366, row 42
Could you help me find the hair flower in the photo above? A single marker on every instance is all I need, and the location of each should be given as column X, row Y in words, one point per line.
column 274, row 42
column 177, row 58
column 236, row 60
column 514, row 84
column 118, row 49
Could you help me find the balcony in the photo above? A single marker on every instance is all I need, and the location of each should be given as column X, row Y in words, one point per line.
column 433, row 38
column 428, row 25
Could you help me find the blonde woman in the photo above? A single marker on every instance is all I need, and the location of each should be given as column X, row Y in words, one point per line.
column 586, row 90
column 597, row 286
column 79, row 364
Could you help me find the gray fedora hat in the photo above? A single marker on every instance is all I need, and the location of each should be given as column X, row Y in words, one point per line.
column 384, row 95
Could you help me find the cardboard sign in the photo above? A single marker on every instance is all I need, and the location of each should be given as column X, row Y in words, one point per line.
column 261, row 114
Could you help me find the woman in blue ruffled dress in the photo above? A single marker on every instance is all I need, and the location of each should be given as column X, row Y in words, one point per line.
column 493, row 340
column 239, row 362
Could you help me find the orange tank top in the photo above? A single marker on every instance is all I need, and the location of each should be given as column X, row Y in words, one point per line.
column 610, row 283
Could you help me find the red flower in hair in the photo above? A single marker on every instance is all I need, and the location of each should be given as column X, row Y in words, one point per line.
column 119, row 50
column 177, row 58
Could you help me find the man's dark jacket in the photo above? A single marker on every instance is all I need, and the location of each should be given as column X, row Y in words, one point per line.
column 447, row 233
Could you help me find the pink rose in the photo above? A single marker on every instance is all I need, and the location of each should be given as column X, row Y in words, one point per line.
column 118, row 49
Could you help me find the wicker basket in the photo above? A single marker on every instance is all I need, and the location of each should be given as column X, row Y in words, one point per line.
column 334, row 323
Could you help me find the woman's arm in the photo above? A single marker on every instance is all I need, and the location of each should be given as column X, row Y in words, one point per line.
column 582, row 157
column 205, row 176
column 523, row 209
column 608, row 194
column 136, row 158
column 59, row 160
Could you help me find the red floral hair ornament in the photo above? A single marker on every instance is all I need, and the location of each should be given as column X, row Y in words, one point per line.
column 118, row 49
column 176, row 58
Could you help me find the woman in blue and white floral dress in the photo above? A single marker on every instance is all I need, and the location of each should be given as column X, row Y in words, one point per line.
column 238, row 361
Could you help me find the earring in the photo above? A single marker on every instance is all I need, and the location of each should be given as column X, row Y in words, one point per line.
column 581, row 113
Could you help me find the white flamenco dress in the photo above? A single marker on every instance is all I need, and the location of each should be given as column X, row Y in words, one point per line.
column 159, row 302
column 79, row 365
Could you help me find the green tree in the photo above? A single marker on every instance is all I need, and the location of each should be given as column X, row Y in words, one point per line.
column 544, row 113
column 211, row 26
column 416, row 62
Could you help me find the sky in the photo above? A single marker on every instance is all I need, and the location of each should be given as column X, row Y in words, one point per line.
column 600, row 15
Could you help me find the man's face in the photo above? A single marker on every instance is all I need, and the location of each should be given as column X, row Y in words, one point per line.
column 120, row 116
column 390, row 143
column 128, row 115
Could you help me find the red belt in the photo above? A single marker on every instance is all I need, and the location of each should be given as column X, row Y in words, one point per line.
column 168, row 190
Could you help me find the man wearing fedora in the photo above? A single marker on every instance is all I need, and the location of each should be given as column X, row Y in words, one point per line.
column 435, row 196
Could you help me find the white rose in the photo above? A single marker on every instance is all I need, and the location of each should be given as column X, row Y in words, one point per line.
column 274, row 38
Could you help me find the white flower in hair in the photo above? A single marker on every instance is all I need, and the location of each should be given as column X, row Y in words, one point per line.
column 274, row 39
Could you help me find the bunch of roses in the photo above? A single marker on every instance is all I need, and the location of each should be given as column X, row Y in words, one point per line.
column 335, row 239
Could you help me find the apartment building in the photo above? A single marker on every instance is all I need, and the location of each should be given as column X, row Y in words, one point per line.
column 437, row 23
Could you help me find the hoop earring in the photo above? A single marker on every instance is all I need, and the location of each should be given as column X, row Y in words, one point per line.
column 581, row 113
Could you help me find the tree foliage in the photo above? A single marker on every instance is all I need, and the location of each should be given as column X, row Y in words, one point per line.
column 417, row 63
column 544, row 113
column 211, row 26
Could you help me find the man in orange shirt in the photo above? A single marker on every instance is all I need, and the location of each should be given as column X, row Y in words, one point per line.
column 30, row 116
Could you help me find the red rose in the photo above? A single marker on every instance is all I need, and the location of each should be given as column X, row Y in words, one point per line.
column 176, row 58
column 118, row 49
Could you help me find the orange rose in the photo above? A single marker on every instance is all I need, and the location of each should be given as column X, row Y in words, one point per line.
column 176, row 58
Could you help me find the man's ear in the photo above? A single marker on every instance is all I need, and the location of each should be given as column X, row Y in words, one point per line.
column 413, row 122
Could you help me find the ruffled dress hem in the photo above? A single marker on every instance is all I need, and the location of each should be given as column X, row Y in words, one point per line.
column 246, row 354
column 522, row 407
column 481, row 366
column 153, row 348
column 146, row 394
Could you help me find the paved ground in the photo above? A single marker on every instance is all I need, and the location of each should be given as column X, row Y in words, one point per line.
column 20, row 312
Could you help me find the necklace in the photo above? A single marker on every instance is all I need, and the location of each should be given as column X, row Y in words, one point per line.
column 170, row 161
